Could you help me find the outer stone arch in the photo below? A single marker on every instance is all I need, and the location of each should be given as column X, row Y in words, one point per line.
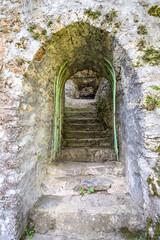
column 84, row 47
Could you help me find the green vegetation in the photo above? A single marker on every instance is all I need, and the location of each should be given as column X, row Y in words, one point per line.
column 92, row 14
column 137, row 64
column 49, row 23
column 91, row 190
column 136, row 20
column 20, row 61
column 154, row 11
column 18, row 44
column 44, row 31
column 58, row 19
column 151, row 56
column 35, row 35
column 25, row 74
column 27, row 232
column 39, row 156
column 31, row 28
column 151, row 182
column 142, row 30
column 158, row 150
column 156, row 87
column 141, row 44
column 81, row 191
column 125, row 233
column 151, row 103
column 156, row 228
column 111, row 15
column 30, row 233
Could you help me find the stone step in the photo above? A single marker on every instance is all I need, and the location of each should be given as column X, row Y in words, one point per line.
column 86, row 134
column 59, row 235
column 72, row 185
column 80, row 103
column 87, row 154
column 63, row 169
column 90, row 142
column 86, row 216
column 80, row 114
column 83, row 127
column 82, row 109
column 81, row 121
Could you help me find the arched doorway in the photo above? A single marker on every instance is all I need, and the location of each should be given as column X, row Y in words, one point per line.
column 79, row 47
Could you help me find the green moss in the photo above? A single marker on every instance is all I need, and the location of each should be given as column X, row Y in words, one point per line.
column 156, row 87
column 35, row 35
column 44, row 31
column 31, row 28
column 25, row 74
column 154, row 11
column 49, row 23
column 111, row 15
column 58, row 19
column 151, row 103
column 156, row 229
column 158, row 150
column 151, row 56
column 125, row 233
column 142, row 30
column 141, row 44
column 136, row 20
column 92, row 14
column 138, row 64
column 150, row 182
column 149, row 223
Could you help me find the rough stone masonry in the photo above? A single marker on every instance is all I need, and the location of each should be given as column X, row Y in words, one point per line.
column 36, row 37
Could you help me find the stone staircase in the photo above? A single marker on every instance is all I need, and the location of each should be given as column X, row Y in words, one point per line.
column 84, row 194
column 85, row 138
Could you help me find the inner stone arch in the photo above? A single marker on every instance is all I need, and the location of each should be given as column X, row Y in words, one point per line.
column 87, row 119
column 83, row 47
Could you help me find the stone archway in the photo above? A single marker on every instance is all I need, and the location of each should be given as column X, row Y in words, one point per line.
column 84, row 47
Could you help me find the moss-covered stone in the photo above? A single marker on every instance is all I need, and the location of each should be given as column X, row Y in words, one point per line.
column 151, row 103
column 154, row 11
column 152, row 56
column 158, row 150
column 125, row 233
column 154, row 192
column 156, row 229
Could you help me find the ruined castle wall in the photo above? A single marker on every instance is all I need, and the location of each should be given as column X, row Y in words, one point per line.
column 27, row 101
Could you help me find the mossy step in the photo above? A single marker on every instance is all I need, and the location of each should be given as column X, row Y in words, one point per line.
column 83, row 127
column 87, row 154
column 90, row 142
column 87, row 134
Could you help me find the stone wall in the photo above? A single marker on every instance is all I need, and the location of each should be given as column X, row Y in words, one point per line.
column 27, row 100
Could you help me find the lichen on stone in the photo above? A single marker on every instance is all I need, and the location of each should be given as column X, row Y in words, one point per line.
column 154, row 11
